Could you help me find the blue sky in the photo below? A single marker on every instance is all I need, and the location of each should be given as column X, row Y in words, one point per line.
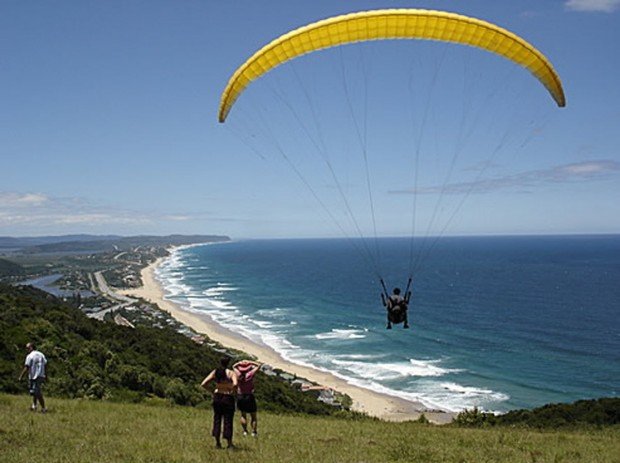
column 108, row 124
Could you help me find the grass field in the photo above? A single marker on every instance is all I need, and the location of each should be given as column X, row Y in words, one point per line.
column 93, row 431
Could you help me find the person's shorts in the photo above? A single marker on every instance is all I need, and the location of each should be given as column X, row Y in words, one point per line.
column 246, row 403
column 34, row 386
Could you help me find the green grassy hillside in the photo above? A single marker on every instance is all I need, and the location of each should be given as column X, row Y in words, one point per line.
column 96, row 431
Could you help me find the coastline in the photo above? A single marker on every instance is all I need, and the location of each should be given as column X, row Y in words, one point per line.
column 378, row 405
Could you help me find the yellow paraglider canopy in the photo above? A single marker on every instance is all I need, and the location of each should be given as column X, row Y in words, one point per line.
column 392, row 24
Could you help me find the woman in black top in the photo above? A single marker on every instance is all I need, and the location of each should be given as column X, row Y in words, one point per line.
column 223, row 400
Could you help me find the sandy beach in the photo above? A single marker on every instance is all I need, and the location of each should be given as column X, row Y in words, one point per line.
column 364, row 400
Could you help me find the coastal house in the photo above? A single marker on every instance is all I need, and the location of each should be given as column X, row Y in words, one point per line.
column 328, row 397
column 122, row 321
column 268, row 370
column 198, row 339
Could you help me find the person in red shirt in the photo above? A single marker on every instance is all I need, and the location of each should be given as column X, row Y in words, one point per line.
column 246, row 403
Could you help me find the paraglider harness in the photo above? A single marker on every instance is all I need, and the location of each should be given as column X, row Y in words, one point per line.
column 396, row 305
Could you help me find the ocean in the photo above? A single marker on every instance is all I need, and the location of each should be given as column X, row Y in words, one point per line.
column 497, row 323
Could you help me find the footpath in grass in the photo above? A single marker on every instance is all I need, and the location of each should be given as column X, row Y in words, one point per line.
column 89, row 431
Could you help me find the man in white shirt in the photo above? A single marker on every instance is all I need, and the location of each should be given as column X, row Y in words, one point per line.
column 35, row 366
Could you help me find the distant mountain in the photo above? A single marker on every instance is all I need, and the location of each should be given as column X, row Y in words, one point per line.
column 12, row 242
column 118, row 243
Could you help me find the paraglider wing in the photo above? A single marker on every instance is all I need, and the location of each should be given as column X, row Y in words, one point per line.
column 392, row 24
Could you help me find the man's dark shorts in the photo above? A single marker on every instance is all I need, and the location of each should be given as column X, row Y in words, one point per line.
column 34, row 386
column 246, row 403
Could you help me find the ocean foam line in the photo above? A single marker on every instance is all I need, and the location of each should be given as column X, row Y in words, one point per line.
column 246, row 326
column 224, row 313
column 218, row 291
column 453, row 387
column 360, row 356
column 341, row 334
column 275, row 312
column 198, row 267
column 442, row 396
column 391, row 371
column 176, row 289
column 433, row 394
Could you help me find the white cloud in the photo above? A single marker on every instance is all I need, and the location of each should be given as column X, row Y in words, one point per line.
column 567, row 173
column 9, row 199
column 93, row 219
column 177, row 217
column 585, row 168
column 35, row 213
column 33, row 198
column 40, row 210
column 605, row 6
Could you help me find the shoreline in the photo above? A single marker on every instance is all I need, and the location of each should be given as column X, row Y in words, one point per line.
column 375, row 404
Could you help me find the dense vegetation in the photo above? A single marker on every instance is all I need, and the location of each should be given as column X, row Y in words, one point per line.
column 99, row 431
column 97, row 360
column 8, row 268
column 600, row 412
